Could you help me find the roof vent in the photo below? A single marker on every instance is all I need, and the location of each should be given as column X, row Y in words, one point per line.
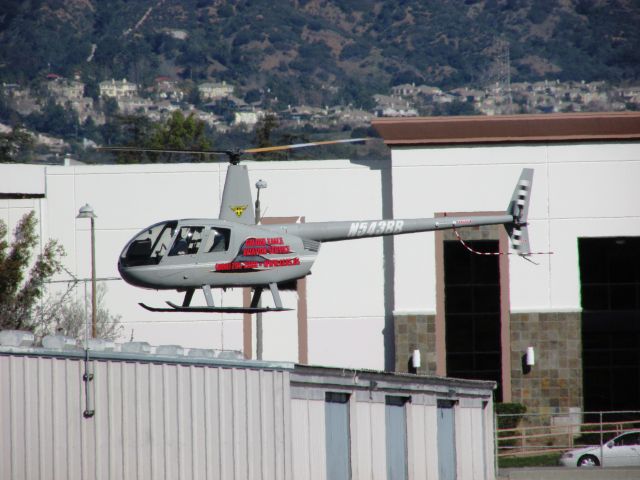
column 136, row 347
column 230, row 355
column 101, row 345
column 202, row 353
column 59, row 342
column 16, row 338
column 170, row 350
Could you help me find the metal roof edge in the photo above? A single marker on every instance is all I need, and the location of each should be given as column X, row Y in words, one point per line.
column 80, row 354
column 355, row 378
column 558, row 127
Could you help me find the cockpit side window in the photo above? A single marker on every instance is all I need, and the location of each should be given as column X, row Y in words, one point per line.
column 150, row 245
column 218, row 240
column 187, row 241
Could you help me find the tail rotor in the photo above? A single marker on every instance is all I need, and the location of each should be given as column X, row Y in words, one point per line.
column 519, row 209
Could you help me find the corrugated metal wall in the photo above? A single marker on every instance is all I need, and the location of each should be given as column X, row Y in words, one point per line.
column 161, row 420
column 423, row 446
column 152, row 420
column 472, row 418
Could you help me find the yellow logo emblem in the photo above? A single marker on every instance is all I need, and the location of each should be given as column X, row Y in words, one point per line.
column 238, row 210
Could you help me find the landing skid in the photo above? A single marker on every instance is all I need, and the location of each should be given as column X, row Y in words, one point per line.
column 211, row 308
column 178, row 308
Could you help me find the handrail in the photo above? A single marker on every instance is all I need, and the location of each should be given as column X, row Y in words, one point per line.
column 550, row 437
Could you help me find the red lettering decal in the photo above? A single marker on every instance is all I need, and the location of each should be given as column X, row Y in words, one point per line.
column 249, row 252
column 231, row 266
column 279, row 250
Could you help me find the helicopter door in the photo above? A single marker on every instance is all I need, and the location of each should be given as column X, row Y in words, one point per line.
column 215, row 245
column 186, row 243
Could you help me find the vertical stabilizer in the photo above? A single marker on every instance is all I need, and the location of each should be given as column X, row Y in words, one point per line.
column 237, row 204
column 519, row 209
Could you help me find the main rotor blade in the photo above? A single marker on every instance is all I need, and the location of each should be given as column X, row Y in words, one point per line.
column 165, row 150
column 234, row 155
column 302, row 145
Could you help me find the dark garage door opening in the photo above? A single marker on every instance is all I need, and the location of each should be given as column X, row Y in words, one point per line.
column 610, row 281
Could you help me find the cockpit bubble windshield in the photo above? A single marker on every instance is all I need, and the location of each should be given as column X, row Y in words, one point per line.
column 150, row 245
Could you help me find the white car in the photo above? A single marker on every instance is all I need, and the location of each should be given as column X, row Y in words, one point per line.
column 622, row 451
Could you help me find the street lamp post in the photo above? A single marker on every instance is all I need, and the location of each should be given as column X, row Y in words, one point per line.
column 260, row 184
column 87, row 212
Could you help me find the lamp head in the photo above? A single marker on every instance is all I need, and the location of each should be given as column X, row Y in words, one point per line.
column 86, row 211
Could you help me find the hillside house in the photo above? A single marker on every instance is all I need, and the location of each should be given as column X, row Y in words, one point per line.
column 118, row 88
column 212, row 91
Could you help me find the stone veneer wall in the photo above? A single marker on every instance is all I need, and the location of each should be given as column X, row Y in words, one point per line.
column 554, row 383
column 415, row 331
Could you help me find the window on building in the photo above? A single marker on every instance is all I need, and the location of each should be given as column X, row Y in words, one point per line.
column 396, row 438
column 472, row 311
column 610, row 291
column 337, row 436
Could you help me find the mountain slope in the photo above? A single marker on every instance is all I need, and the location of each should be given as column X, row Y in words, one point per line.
column 322, row 51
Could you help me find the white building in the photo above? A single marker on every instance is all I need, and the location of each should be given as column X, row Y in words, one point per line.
column 215, row 90
column 247, row 117
column 369, row 302
column 118, row 88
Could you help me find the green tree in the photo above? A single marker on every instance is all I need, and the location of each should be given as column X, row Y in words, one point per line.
column 180, row 133
column 54, row 119
column 19, row 290
column 14, row 143
column 194, row 97
column 109, row 107
column 263, row 131
column 133, row 131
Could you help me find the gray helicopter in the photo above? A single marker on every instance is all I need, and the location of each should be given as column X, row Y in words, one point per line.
column 234, row 251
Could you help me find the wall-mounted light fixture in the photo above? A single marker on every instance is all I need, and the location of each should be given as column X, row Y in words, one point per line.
column 415, row 359
column 528, row 360
column 531, row 357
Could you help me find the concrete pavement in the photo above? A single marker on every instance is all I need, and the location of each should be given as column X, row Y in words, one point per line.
column 564, row 473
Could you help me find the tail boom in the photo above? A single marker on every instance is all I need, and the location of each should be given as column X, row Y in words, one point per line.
column 514, row 219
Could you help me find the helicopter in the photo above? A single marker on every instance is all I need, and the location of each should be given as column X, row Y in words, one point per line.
column 236, row 251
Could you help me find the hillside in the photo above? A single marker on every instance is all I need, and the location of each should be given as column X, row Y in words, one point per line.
column 321, row 51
